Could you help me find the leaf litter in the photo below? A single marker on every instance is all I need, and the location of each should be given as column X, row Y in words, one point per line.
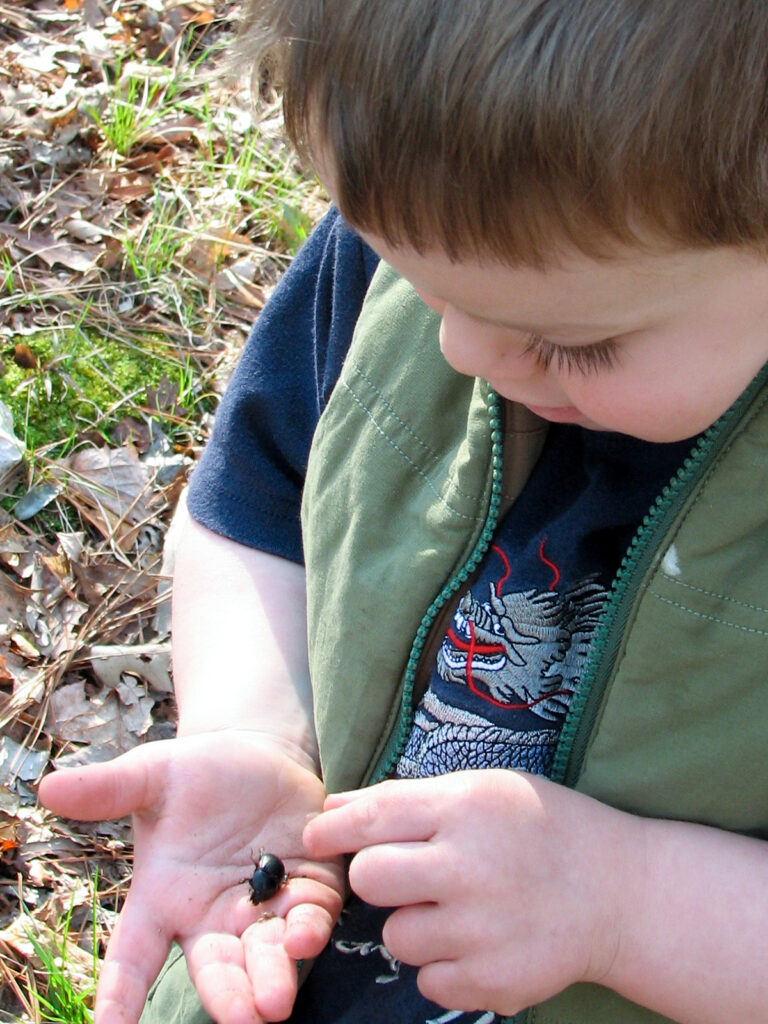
column 137, row 199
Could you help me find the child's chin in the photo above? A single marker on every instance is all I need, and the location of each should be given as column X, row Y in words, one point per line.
column 563, row 414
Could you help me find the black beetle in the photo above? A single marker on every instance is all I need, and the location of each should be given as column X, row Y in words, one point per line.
column 267, row 878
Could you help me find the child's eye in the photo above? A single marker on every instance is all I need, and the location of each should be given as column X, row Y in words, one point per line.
column 582, row 359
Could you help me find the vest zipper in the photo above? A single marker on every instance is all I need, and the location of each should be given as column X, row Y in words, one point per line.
column 642, row 552
column 402, row 731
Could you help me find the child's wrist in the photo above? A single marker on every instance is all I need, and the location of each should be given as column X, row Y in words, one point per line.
column 622, row 869
column 302, row 751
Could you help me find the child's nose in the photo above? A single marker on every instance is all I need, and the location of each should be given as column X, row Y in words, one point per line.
column 483, row 349
column 430, row 300
column 458, row 343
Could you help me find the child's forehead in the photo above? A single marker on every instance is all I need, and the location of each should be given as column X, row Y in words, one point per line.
column 573, row 290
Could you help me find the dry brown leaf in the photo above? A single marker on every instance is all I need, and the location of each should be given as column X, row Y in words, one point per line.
column 110, row 723
column 129, row 186
column 131, row 430
column 12, row 543
column 95, row 579
column 85, row 231
column 49, row 250
column 58, row 566
column 19, row 762
column 55, row 625
column 9, row 826
column 20, row 645
column 153, row 159
column 207, row 251
column 6, row 676
column 171, row 131
column 151, row 662
column 24, row 357
column 28, row 688
column 109, row 487
column 13, row 605
column 238, row 290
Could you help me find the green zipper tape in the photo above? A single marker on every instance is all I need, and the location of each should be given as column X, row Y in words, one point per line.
column 404, row 724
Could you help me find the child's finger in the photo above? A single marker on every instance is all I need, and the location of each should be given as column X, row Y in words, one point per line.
column 308, row 929
column 272, row 971
column 340, row 799
column 393, row 788
column 136, row 953
column 390, row 812
column 109, row 790
column 396, row 874
column 420, row 935
column 217, row 967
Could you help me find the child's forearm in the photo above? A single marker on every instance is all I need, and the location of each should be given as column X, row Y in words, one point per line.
column 239, row 641
column 694, row 944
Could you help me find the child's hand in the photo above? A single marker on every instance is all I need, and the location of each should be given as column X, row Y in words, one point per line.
column 510, row 887
column 203, row 806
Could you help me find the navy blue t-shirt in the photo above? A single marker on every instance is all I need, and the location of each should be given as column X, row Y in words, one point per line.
column 247, row 485
column 512, row 657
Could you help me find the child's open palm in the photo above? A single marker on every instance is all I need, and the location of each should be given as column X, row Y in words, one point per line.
column 202, row 807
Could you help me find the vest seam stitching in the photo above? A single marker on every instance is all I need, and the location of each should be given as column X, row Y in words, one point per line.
column 390, row 408
column 420, row 472
column 432, row 452
column 719, row 597
column 710, row 618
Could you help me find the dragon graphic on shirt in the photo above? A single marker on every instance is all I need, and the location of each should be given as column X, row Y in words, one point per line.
column 510, row 661
column 522, row 650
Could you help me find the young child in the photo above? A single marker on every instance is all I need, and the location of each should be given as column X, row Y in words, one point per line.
column 544, row 549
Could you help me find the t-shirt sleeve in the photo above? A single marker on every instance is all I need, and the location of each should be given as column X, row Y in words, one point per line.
column 247, row 485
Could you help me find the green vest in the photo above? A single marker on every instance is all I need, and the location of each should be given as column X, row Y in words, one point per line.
column 410, row 469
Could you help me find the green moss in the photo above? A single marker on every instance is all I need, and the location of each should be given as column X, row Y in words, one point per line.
column 82, row 382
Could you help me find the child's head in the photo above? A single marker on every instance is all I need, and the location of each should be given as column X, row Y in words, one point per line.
column 580, row 187
column 504, row 126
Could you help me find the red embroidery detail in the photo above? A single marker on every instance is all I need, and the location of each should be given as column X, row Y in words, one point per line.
column 472, row 647
column 507, row 569
column 549, row 564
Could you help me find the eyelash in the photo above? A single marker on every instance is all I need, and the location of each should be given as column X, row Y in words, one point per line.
column 583, row 359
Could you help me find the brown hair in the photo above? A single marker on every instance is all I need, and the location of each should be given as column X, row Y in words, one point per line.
column 508, row 126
